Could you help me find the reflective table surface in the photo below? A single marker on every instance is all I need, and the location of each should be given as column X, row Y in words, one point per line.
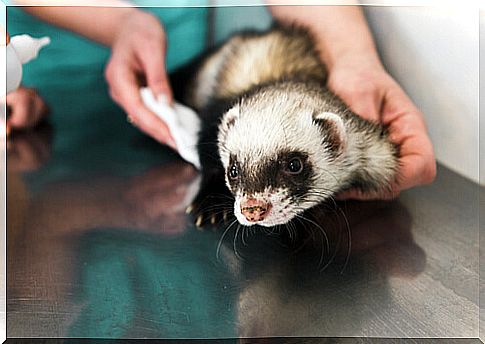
column 99, row 246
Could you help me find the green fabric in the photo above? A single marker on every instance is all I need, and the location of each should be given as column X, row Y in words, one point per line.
column 73, row 59
column 130, row 277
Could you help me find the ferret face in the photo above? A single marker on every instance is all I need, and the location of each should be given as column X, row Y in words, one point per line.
column 279, row 160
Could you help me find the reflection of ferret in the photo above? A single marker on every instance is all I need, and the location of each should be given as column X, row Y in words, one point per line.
column 285, row 142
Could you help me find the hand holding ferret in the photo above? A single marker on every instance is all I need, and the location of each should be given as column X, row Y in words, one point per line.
column 138, row 50
column 356, row 75
column 371, row 92
column 25, row 109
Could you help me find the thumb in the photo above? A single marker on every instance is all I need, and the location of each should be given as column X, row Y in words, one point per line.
column 366, row 105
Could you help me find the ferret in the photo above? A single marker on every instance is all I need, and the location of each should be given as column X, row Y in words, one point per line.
column 280, row 140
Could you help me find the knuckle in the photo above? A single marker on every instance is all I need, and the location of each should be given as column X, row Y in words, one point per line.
column 29, row 92
column 113, row 94
column 158, row 79
column 365, row 90
column 109, row 70
column 22, row 93
column 430, row 172
column 152, row 42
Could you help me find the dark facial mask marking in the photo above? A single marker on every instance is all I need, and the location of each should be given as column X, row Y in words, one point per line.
column 272, row 173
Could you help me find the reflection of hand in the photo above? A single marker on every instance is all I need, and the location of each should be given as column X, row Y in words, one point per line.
column 381, row 232
column 26, row 108
column 160, row 196
column 139, row 50
column 374, row 95
column 28, row 151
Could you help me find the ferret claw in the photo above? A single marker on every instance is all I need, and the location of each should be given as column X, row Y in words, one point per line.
column 198, row 222
column 189, row 209
column 213, row 219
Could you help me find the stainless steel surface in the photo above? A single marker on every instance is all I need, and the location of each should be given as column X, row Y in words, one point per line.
column 99, row 246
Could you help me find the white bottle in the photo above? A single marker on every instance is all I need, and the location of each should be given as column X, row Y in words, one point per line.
column 20, row 50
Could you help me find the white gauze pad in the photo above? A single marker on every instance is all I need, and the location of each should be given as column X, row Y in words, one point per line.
column 182, row 121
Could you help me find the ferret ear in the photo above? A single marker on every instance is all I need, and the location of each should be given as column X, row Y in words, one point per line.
column 227, row 122
column 230, row 117
column 333, row 128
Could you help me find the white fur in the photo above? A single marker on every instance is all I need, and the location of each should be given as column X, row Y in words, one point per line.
column 280, row 211
column 282, row 119
column 337, row 122
column 255, row 132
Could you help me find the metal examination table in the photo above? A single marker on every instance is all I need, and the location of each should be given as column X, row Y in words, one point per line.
column 98, row 247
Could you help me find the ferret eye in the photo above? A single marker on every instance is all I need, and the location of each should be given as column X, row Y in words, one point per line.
column 234, row 172
column 294, row 166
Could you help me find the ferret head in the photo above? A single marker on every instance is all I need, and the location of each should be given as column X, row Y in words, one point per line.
column 280, row 149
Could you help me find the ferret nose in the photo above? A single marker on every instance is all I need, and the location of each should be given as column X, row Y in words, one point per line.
column 255, row 210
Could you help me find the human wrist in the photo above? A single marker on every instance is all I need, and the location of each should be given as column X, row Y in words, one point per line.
column 144, row 24
column 346, row 56
column 122, row 18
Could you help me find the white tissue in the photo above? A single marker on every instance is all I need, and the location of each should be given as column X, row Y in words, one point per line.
column 183, row 123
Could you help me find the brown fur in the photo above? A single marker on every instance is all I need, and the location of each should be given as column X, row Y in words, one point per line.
column 252, row 59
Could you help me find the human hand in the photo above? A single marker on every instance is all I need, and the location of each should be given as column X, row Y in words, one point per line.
column 138, row 52
column 25, row 109
column 158, row 198
column 372, row 93
column 28, row 151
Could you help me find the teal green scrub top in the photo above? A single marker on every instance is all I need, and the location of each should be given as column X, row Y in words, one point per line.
column 71, row 58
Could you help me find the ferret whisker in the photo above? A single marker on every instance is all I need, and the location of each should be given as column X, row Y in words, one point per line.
column 349, row 246
column 244, row 232
column 337, row 180
column 234, row 242
column 327, row 243
column 222, row 238
column 289, row 227
column 217, row 207
column 224, row 196
column 306, row 230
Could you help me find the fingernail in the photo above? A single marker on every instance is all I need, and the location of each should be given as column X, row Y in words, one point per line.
column 172, row 143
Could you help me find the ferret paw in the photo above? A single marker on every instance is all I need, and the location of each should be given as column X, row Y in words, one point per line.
column 210, row 211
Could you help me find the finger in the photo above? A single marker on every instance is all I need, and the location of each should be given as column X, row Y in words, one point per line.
column 416, row 170
column 397, row 104
column 27, row 108
column 40, row 109
column 155, row 71
column 21, row 108
column 24, row 157
column 417, row 161
column 163, row 178
column 365, row 99
column 125, row 91
column 356, row 194
column 366, row 105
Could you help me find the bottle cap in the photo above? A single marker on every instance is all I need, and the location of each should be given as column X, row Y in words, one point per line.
column 27, row 48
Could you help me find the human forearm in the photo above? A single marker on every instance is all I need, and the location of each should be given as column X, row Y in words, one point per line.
column 100, row 23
